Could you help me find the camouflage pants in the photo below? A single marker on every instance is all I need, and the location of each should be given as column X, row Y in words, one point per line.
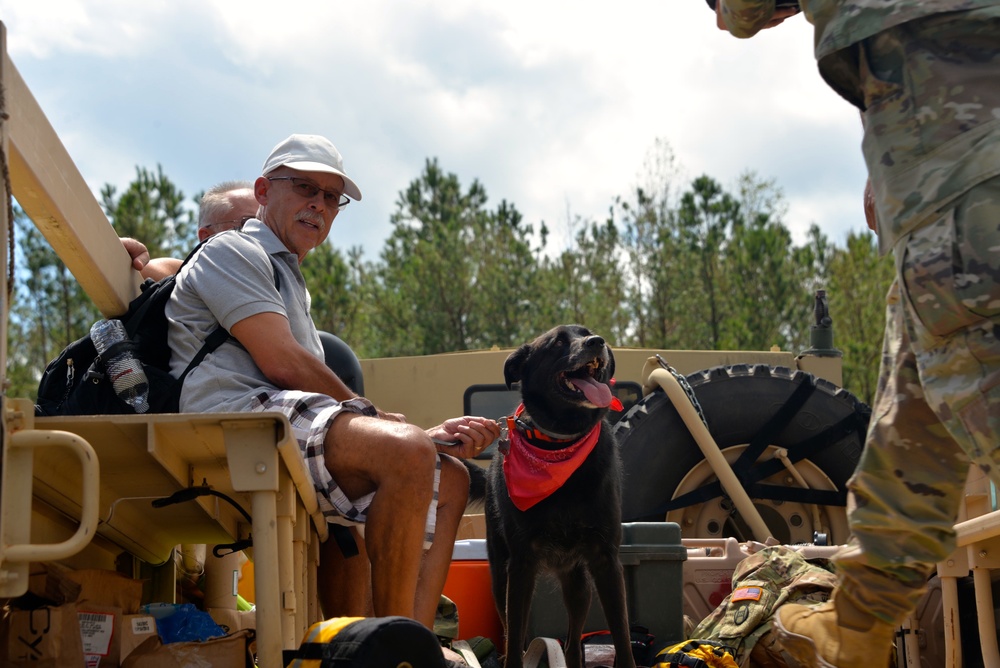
column 932, row 145
column 937, row 408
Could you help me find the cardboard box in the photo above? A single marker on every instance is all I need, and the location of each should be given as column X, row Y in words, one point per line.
column 51, row 584
column 472, row 526
column 228, row 652
column 109, row 588
column 135, row 630
column 100, row 633
column 48, row 636
column 66, row 635
column 234, row 620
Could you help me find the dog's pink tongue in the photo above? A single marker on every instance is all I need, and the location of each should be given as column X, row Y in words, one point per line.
column 598, row 394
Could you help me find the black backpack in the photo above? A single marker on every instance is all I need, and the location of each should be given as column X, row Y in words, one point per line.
column 367, row 642
column 76, row 382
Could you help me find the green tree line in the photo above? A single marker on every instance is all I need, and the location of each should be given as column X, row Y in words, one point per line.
column 672, row 265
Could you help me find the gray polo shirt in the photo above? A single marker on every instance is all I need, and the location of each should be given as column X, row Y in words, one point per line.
column 229, row 279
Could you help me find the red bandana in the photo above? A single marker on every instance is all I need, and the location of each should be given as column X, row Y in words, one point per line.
column 532, row 474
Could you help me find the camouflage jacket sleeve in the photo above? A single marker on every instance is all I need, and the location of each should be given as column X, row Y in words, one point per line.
column 745, row 18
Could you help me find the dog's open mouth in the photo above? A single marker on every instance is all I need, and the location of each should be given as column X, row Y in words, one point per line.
column 582, row 382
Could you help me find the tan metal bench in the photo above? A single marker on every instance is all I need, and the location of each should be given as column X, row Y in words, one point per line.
column 249, row 457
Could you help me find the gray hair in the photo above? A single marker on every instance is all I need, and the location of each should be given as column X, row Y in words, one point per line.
column 216, row 199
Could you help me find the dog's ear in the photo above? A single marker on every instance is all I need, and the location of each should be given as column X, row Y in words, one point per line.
column 512, row 367
column 611, row 362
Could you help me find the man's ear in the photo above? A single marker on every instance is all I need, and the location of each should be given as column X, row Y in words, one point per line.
column 512, row 367
column 260, row 188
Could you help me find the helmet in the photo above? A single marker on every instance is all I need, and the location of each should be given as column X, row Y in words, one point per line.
column 342, row 360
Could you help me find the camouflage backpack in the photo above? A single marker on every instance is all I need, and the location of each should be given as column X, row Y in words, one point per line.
column 741, row 624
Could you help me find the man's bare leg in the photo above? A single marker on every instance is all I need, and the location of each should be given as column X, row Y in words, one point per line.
column 453, row 494
column 397, row 461
column 344, row 583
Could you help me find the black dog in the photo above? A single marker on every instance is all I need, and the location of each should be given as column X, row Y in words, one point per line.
column 553, row 501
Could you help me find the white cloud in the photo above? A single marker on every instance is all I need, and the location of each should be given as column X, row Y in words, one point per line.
column 552, row 105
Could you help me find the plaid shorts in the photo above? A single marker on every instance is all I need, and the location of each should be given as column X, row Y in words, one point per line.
column 311, row 415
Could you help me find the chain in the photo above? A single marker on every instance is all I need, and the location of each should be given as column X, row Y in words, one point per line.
column 685, row 385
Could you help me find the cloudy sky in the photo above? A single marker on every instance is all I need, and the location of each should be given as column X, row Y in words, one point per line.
column 553, row 105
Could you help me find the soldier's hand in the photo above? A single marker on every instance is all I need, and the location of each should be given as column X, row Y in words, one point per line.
column 870, row 207
column 776, row 19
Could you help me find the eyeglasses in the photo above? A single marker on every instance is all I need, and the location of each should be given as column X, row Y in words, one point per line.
column 235, row 224
column 308, row 190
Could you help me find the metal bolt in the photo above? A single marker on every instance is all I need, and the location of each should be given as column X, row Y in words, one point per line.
column 261, row 467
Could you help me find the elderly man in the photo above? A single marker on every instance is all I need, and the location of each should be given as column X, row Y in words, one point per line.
column 226, row 206
column 370, row 469
column 923, row 73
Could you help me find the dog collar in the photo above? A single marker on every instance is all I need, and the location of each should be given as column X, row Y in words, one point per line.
column 531, row 431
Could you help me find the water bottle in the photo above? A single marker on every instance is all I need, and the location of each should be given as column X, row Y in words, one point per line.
column 123, row 367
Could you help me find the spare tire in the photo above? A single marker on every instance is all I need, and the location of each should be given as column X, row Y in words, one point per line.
column 765, row 420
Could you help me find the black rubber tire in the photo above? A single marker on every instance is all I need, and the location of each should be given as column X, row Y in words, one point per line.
column 658, row 451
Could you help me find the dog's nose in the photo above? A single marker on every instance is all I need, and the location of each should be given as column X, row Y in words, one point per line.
column 593, row 341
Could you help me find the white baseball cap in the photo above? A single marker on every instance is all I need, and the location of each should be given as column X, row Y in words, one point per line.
column 310, row 153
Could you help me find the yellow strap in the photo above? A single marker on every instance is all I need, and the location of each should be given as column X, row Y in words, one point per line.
column 323, row 631
column 708, row 654
column 711, row 655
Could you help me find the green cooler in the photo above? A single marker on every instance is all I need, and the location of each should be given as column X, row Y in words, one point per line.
column 653, row 558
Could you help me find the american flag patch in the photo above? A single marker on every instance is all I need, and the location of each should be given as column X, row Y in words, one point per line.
column 746, row 594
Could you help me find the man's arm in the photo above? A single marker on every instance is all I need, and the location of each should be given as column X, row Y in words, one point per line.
column 268, row 339
column 161, row 267
column 154, row 269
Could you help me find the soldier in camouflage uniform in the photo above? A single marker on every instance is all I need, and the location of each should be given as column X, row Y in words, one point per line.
column 924, row 74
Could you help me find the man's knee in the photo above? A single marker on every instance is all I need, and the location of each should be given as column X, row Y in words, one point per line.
column 414, row 448
column 363, row 454
column 407, row 456
column 454, row 481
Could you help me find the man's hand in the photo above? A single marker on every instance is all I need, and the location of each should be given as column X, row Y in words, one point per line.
column 137, row 251
column 870, row 207
column 776, row 19
column 470, row 435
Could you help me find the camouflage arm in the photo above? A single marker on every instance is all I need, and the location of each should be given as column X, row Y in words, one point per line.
column 745, row 18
